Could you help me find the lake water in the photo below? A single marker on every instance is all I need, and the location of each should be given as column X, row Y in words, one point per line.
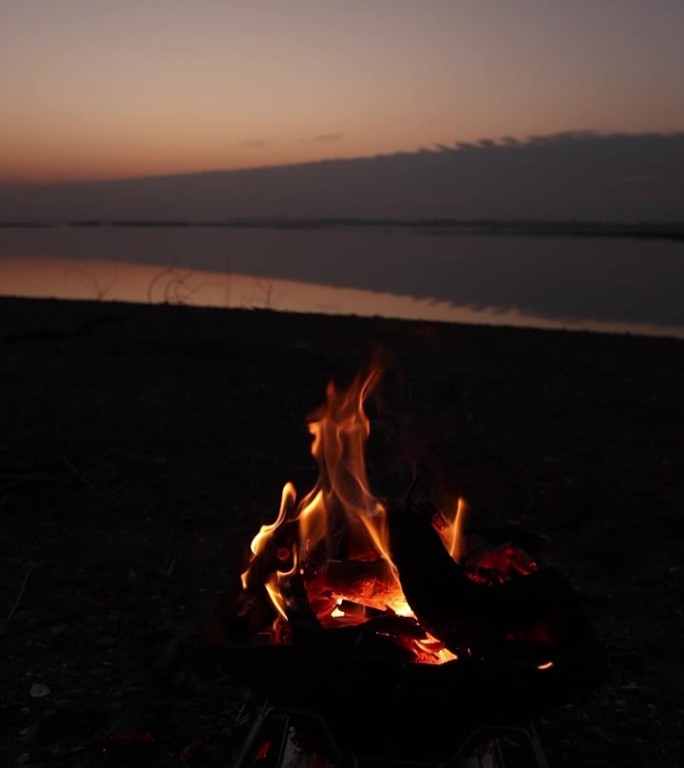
column 589, row 283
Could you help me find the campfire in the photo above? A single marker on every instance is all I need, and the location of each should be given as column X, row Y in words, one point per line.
column 388, row 621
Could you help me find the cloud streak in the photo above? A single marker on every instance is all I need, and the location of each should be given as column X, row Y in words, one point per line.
column 327, row 138
column 256, row 143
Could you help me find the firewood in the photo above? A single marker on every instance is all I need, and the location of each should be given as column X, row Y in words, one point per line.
column 306, row 630
column 435, row 586
column 367, row 582
column 527, row 618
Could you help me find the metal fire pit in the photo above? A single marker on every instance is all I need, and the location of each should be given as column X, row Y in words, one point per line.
column 286, row 737
column 373, row 705
column 372, row 692
column 523, row 647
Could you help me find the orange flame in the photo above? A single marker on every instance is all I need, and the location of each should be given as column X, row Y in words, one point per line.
column 340, row 520
column 261, row 540
column 451, row 531
column 341, row 501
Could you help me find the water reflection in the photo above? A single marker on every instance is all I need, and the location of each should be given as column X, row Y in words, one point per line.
column 621, row 285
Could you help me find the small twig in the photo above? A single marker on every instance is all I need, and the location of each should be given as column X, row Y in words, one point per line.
column 170, row 566
column 101, row 289
column 19, row 596
column 150, row 287
column 75, row 470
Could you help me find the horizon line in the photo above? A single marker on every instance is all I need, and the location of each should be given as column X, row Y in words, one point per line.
column 478, row 145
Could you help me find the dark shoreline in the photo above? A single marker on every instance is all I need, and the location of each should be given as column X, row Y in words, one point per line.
column 143, row 445
column 645, row 230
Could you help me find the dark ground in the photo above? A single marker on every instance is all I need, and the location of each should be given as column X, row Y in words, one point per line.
column 142, row 446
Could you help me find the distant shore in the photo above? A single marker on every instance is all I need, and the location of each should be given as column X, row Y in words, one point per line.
column 524, row 228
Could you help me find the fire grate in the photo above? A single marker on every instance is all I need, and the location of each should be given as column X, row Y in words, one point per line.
column 289, row 737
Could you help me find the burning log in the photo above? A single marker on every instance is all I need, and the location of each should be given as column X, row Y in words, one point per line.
column 528, row 619
column 432, row 582
column 364, row 583
column 306, row 630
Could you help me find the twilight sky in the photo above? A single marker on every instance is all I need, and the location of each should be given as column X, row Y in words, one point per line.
column 93, row 89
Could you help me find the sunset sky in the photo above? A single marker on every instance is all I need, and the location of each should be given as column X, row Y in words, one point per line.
column 93, row 89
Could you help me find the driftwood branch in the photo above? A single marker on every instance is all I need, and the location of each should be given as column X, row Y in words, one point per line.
column 22, row 589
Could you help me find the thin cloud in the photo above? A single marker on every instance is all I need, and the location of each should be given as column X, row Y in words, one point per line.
column 327, row 137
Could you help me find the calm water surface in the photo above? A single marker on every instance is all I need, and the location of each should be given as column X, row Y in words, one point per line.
column 614, row 284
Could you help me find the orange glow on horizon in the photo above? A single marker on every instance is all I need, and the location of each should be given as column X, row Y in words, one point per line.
column 135, row 147
column 95, row 164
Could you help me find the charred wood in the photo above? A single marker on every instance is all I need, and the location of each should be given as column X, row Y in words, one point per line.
column 239, row 614
column 529, row 619
column 306, row 630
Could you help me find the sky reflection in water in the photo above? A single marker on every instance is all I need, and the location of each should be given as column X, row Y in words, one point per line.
column 579, row 283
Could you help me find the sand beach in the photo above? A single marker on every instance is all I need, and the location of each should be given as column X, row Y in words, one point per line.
column 142, row 446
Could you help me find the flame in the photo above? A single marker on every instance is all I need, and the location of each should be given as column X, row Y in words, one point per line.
column 451, row 530
column 274, row 588
column 339, row 519
column 337, row 536
column 341, row 502
column 262, row 539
